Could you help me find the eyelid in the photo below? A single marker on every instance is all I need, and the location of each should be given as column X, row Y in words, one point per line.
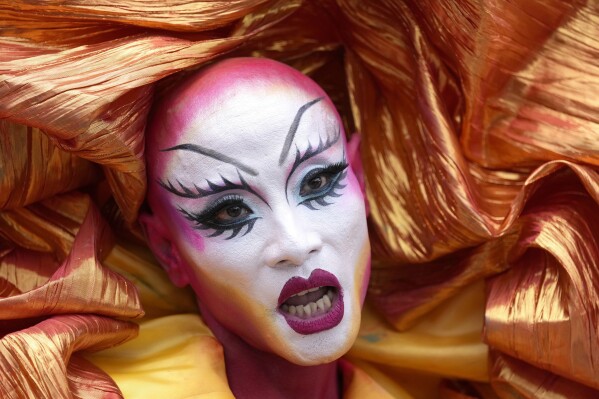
column 334, row 167
column 203, row 220
column 216, row 206
column 187, row 192
column 312, row 153
column 338, row 170
column 214, row 188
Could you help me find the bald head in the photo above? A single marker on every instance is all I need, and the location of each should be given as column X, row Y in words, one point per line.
column 216, row 112
column 225, row 85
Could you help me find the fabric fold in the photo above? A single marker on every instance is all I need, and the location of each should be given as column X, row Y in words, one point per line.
column 42, row 353
column 480, row 149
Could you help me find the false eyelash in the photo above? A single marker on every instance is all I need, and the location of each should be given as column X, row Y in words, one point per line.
column 203, row 219
column 186, row 192
column 310, row 152
column 339, row 170
column 234, row 231
column 313, row 151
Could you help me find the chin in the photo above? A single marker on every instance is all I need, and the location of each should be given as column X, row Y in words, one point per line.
column 323, row 347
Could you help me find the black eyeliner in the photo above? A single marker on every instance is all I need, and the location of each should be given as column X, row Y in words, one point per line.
column 214, row 208
column 331, row 169
column 205, row 219
column 312, row 152
column 337, row 172
column 214, row 188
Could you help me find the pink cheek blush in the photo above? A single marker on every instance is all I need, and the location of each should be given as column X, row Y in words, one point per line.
column 354, row 186
column 185, row 232
column 190, row 234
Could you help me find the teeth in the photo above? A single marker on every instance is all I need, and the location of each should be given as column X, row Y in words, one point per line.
column 311, row 309
column 320, row 304
column 326, row 301
column 308, row 310
column 304, row 292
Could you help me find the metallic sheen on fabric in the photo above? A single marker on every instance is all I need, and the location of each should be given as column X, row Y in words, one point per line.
column 480, row 144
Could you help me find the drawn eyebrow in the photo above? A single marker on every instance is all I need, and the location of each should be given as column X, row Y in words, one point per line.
column 293, row 128
column 213, row 154
column 186, row 192
column 311, row 152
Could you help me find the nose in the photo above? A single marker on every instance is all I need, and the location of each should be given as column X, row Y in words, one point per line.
column 292, row 243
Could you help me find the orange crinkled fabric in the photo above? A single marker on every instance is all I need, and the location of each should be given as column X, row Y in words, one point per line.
column 480, row 143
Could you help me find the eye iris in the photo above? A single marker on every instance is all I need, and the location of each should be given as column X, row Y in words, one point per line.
column 317, row 182
column 234, row 211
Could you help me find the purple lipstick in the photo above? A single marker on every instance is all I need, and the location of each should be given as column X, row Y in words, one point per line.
column 312, row 305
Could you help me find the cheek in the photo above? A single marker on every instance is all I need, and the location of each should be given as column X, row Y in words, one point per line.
column 236, row 309
column 355, row 240
column 192, row 235
column 363, row 274
column 354, row 187
column 182, row 230
column 228, row 291
column 187, row 235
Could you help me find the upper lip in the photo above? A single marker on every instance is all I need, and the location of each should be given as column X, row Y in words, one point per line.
column 318, row 278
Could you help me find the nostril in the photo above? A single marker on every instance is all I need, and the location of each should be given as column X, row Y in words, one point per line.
column 292, row 249
column 288, row 263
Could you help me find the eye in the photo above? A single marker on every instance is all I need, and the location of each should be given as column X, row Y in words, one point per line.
column 321, row 183
column 229, row 213
column 314, row 184
column 232, row 213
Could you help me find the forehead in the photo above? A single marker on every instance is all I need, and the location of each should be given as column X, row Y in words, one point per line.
column 253, row 120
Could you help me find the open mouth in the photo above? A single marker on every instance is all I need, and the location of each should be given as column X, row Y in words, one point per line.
column 311, row 302
column 312, row 305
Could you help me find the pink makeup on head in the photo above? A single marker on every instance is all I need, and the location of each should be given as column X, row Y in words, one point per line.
column 255, row 206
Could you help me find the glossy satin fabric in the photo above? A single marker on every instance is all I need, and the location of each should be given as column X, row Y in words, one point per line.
column 181, row 348
column 480, row 144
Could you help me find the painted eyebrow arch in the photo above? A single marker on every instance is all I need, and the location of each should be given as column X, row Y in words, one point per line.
column 213, row 154
column 186, row 192
column 293, row 128
column 311, row 152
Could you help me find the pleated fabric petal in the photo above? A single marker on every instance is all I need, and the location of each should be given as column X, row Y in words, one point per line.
column 42, row 354
column 479, row 123
column 99, row 112
column 52, row 309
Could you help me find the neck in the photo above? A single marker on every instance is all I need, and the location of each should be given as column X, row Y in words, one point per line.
column 253, row 373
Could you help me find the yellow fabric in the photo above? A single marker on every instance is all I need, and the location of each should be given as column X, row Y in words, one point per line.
column 157, row 294
column 447, row 343
column 180, row 347
column 177, row 357
column 173, row 357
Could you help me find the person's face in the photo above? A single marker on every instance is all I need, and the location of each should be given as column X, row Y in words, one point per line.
column 270, row 219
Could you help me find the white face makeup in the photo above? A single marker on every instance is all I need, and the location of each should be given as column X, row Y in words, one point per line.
column 262, row 205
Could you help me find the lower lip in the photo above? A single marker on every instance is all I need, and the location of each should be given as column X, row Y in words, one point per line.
column 320, row 322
